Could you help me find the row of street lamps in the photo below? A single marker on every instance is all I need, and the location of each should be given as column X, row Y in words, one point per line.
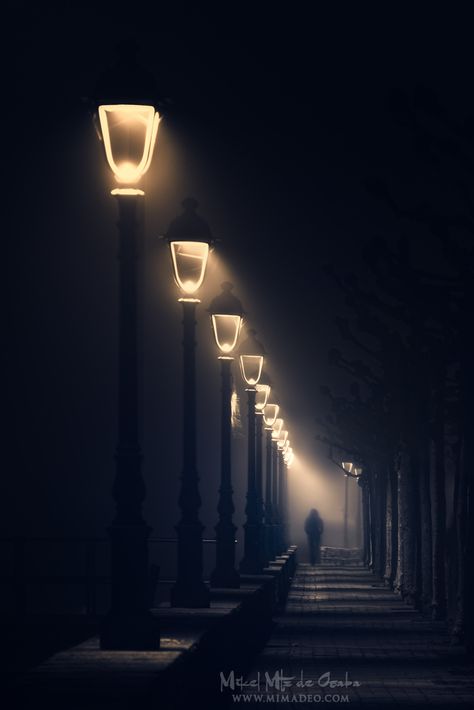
column 129, row 131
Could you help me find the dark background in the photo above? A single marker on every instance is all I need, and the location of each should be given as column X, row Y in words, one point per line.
column 275, row 120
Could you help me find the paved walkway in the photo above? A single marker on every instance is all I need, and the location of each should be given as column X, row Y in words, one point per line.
column 343, row 625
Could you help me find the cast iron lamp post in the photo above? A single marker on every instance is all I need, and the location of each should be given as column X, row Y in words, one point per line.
column 270, row 413
column 277, row 427
column 251, row 364
column 226, row 317
column 348, row 467
column 127, row 125
column 189, row 238
column 281, row 444
column 261, row 396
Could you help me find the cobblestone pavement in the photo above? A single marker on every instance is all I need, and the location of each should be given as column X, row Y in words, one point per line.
column 343, row 625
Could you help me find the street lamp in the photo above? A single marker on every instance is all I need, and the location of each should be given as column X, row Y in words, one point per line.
column 226, row 317
column 282, row 445
column 251, row 363
column 129, row 135
column 189, row 238
column 270, row 414
column 348, row 466
column 125, row 99
column 276, row 512
column 263, row 389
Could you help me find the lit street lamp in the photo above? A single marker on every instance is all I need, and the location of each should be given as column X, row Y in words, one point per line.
column 348, row 467
column 270, row 413
column 127, row 124
column 251, row 364
column 282, row 507
column 277, row 541
column 226, row 317
column 263, row 392
column 189, row 238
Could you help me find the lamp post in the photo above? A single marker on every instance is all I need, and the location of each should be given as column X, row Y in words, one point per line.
column 347, row 466
column 127, row 124
column 270, row 413
column 277, row 427
column 263, row 392
column 281, row 443
column 358, row 474
column 251, row 364
column 189, row 238
column 226, row 317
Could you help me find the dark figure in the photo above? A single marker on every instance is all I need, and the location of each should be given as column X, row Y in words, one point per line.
column 313, row 528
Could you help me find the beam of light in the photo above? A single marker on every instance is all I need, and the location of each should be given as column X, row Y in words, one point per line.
column 129, row 134
column 312, row 486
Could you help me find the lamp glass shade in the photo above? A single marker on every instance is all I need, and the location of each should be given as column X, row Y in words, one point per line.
column 129, row 136
column 226, row 330
column 277, row 427
column 282, row 439
column 251, row 367
column 347, row 466
column 358, row 471
column 270, row 414
column 189, row 264
column 263, row 392
column 290, row 458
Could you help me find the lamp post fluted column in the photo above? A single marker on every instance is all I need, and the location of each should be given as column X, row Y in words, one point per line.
column 346, row 511
column 225, row 574
column 259, row 482
column 252, row 562
column 129, row 624
column 189, row 589
column 282, row 502
column 269, row 528
column 276, row 502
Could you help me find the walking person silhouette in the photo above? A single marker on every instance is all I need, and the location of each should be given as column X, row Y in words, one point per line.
column 313, row 528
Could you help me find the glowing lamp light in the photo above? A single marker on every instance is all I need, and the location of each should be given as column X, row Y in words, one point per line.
column 226, row 319
column 128, row 132
column 251, row 366
column 251, row 359
column 189, row 237
column 347, row 466
column 290, row 458
column 277, row 427
column 357, row 471
column 282, row 439
column 189, row 264
column 263, row 392
column 270, row 414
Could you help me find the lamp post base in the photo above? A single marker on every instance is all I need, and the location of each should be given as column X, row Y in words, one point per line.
column 190, row 591
column 225, row 574
column 268, row 536
column 185, row 596
column 252, row 561
column 130, row 633
column 225, row 578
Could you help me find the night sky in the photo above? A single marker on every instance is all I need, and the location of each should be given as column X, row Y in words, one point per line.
column 275, row 121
